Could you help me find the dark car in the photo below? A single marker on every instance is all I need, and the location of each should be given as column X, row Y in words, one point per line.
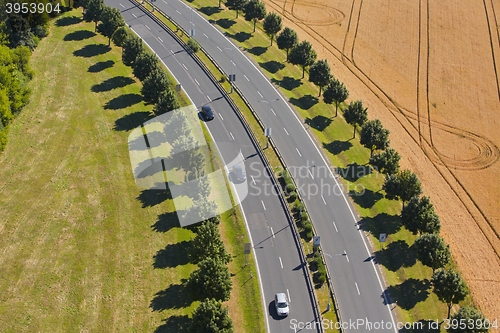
column 207, row 113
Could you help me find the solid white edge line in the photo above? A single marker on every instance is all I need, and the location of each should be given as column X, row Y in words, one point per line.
column 337, row 230
column 324, row 161
column 264, row 305
column 281, row 262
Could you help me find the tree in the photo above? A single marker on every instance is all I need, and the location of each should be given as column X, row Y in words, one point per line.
column 374, row 136
column 419, row 217
column 355, row 114
column 111, row 20
column 208, row 244
column 211, row 317
column 387, row 161
column 210, row 280
column 193, row 45
column 119, row 36
column 404, row 185
column 93, row 11
column 449, row 287
column 335, row 92
column 168, row 101
column 286, row 40
column 154, row 85
column 236, row 5
column 320, row 74
column 272, row 25
column 303, row 55
column 144, row 63
column 254, row 10
column 132, row 47
column 468, row 314
column 432, row 251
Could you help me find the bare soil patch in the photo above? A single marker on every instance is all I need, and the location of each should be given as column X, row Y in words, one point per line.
column 430, row 72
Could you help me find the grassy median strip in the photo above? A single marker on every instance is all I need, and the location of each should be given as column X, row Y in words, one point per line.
column 83, row 247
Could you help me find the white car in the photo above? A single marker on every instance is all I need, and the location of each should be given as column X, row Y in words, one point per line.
column 281, row 304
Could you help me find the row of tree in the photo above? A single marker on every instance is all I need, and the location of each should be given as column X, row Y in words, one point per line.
column 418, row 214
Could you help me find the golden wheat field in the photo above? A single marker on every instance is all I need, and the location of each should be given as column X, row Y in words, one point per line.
column 430, row 71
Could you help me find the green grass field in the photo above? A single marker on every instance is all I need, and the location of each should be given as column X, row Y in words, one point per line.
column 82, row 247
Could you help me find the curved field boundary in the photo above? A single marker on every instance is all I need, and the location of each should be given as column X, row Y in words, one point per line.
column 490, row 150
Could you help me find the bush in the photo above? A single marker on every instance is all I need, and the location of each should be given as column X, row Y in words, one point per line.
column 289, row 187
column 304, row 217
column 3, row 138
column 40, row 31
column 297, row 205
column 193, row 45
column 321, row 275
column 293, row 196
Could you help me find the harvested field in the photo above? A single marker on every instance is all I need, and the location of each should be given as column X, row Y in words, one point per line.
column 430, row 71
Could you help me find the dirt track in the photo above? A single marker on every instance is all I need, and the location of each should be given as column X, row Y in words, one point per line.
column 430, row 71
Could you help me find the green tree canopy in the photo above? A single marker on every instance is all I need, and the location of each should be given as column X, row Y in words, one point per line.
column 111, row 20
column 404, row 185
column 154, row 85
column 272, row 25
column 355, row 115
column 211, row 317
column 335, row 92
column 374, row 136
column 419, row 217
column 132, row 47
column 144, row 64
column 468, row 314
column 303, row 55
column 432, row 251
column 210, row 280
column 449, row 287
column 320, row 74
column 94, row 11
column 386, row 161
column 119, row 36
column 254, row 10
column 286, row 40
column 236, row 5
column 167, row 102
column 208, row 244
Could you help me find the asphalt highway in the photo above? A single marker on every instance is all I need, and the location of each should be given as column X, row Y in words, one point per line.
column 357, row 280
column 279, row 265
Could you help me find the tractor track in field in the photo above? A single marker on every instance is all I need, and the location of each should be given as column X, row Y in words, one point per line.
column 488, row 152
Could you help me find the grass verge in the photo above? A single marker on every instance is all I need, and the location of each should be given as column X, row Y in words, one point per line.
column 83, row 248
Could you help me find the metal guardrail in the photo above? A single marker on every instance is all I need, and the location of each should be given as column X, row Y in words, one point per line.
column 260, row 151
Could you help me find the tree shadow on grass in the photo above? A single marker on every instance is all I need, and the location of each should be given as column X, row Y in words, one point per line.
column 366, row 198
column 65, row 21
column 288, row 82
column 319, row 122
column 177, row 324
column 123, row 101
column 100, row 66
column 272, row 66
column 336, row 147
column 210, row 10
column 381, row 223
column 239, row 36
column 150, row 198
column 166, row 221
column 176, row 296
column 257, row 50
column 225, row 23
column 79, row 35
column 172, row 255
column 396, row 255
column 92, row 50
column 354, row 171
column 305, row 102
column 409, row 293
column 154, row 139
column 113, row 83
column 132, row 120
